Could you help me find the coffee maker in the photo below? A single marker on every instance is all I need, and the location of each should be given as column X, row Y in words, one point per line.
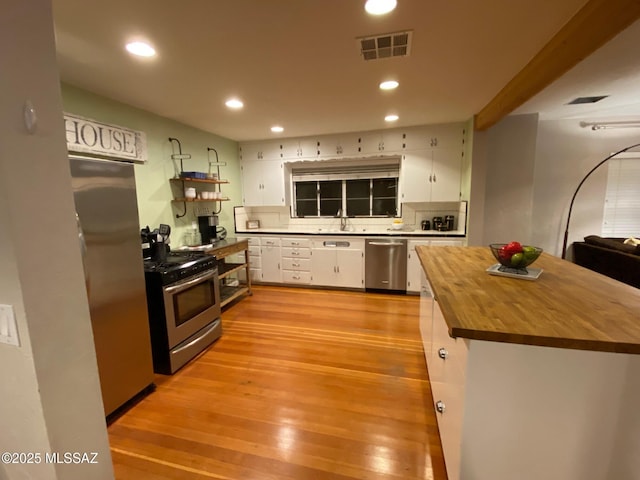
column 208, row 227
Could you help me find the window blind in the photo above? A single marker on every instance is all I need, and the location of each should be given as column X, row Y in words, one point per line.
column 622, row 200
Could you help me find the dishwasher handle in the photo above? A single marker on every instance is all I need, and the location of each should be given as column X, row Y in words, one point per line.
column 387, row 244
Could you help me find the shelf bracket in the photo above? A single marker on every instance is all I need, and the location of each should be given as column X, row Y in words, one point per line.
column 179, row 156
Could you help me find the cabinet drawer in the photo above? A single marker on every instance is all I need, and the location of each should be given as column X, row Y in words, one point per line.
column 296, row 252
column 256, row 275
column 298, row 264
column 448, row 357
column 270, row 242
column 251, row 240
column 292, row 276
column 296, row 242
column 255, row 262
column 450, row 398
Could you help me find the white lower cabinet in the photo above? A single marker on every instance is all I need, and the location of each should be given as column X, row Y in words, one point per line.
column 296, row 260
column 270, row 260
column 338, row 263
column 255, row 269
column 323, row 261
column 414, row 268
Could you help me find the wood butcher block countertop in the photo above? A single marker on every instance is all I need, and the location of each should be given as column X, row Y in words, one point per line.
column 568, row 306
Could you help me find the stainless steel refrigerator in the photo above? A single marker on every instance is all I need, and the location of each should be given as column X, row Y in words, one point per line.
column 109, row 230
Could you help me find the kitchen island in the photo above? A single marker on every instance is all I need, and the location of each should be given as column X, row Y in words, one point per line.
column 531, row 379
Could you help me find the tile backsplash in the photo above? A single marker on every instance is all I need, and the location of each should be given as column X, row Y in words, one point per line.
column 279, row 218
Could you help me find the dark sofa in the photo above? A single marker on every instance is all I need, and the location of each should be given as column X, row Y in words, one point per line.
column 610, row 257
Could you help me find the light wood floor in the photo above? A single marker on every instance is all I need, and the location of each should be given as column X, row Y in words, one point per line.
column 303, row 385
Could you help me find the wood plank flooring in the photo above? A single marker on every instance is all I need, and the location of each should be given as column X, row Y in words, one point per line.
column 303, row 385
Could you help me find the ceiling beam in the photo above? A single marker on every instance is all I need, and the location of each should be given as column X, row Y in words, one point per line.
column 597, row 22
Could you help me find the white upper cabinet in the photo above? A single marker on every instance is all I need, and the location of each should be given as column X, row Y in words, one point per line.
column 431, row 175
column 263, row 183
column 260, row 151
column 418, row 139
column 430, row 171
column 446, row 173
column 298, row 148
column 415, row 173
column 337, row 146
column 432, row 163
column 381, row 142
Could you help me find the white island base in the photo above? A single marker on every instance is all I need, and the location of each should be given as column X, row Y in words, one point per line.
column 521, row 412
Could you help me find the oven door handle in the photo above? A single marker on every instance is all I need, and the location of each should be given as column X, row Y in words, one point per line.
column 190, row 283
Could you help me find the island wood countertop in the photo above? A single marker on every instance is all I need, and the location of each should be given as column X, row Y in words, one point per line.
column 568, row 306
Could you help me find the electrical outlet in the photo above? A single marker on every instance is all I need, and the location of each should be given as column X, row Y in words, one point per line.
column 8, row 326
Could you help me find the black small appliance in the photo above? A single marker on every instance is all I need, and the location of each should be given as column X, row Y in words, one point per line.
column 437, row 223
column 449, row 221
column 208, row 226
column 426, row 225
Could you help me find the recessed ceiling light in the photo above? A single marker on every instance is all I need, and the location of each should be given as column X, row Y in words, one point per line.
column 389, row 85
column 391, row 118
column 277, row 129
column 234, row 103
column 379, row 7
column 141, row 49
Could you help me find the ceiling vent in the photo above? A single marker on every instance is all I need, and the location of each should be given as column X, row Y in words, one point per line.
column 389, row 45
column 581, row 100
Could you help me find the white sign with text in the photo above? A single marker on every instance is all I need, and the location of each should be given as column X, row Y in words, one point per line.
column 90, row 136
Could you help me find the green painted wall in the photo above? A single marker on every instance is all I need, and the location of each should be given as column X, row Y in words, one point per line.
column 152, row 179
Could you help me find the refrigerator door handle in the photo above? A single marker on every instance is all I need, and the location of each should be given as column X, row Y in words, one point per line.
column 83, row 252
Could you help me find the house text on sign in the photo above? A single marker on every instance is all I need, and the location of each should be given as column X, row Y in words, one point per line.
column 90, row 136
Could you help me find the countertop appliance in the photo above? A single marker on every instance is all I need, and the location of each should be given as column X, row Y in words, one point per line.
column 385, row 264
column 107, row 210
column 449, row 222
column 183, row 300
column 210, row 231
column 208, row 225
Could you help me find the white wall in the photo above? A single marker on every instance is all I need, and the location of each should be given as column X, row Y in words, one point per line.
column 525, row 172
column 509, row 180
column 564, row 155
column 49, row 387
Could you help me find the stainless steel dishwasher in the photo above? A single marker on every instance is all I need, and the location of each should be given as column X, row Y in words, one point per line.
column 385, row 264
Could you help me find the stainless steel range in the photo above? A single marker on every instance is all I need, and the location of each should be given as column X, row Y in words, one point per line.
column 183, row 300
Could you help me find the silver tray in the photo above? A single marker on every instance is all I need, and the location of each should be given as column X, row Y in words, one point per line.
column 532, row 273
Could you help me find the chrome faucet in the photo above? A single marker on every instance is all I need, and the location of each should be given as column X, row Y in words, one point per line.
column 343, row 220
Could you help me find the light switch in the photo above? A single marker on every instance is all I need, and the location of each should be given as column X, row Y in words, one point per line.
column 8, row 326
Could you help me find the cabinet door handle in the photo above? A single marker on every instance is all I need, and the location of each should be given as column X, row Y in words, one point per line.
column 434, row 177
column 443, row 354
column 440, row 406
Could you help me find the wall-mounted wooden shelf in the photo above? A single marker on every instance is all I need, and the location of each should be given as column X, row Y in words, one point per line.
column 198, row 180
column 182, row 200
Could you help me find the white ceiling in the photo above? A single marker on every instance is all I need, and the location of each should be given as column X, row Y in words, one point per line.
column 297, row 63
